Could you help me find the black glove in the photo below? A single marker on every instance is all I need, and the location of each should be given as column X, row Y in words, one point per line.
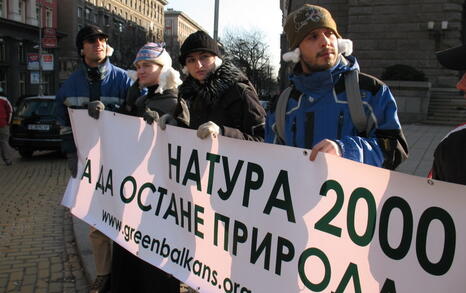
column 94, row 108
column 150, row 116
column 167, row 119
column 72, row 163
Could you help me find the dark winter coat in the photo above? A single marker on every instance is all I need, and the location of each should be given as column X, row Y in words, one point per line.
column 450, row 157
column 226, row 98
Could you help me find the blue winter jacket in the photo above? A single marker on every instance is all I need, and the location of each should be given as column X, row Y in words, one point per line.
column 318, row 109
column 75, row 93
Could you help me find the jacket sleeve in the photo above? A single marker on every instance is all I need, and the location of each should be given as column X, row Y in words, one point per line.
column 253, row 118
column 385, row 146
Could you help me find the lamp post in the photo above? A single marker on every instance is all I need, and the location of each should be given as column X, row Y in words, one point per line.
column 216, row 20
column 40, row 90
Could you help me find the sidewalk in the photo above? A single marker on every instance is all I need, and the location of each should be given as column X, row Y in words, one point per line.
column 422, row 141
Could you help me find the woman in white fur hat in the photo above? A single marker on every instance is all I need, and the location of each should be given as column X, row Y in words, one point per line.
column 154, row 72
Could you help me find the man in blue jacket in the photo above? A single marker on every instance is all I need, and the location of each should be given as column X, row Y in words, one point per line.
column 95, row 85
column 317, row 113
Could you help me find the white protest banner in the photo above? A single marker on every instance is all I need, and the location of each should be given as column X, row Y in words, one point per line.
column 225, row 215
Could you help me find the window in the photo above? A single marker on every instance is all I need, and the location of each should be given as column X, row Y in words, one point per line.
column 87, row 14
column 2, row 8
column 22, row 10
column 106, row 20
column 3, row 80
column 2, row 50
column 80, row 12
column 21, row 53
column 48, row 18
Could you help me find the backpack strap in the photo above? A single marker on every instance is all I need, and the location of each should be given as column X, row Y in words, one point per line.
column 362, row 123
column 280, row 112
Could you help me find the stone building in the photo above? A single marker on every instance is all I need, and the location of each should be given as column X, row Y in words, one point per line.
column 20, row 74
column 129, row 24
column 406, row 32
column 178, row 26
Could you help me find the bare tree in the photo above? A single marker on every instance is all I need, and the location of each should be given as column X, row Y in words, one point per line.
column 250, row 53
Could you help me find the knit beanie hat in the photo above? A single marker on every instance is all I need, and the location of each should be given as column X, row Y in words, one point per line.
column 305, row 19
column 198, row 41
column 155, row 52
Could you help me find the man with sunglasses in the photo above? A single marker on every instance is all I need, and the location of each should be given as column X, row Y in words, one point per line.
column 95, row 85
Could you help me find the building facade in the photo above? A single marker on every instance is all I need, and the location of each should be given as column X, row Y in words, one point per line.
column 22, row 24
column 178, row 26
column 407, row 32
column 129, row 24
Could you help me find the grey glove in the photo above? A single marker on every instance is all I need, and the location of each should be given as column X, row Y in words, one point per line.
column 72, row 163
column 150, row 116
column 94, row 108
column 167, row 119
column 208, row 129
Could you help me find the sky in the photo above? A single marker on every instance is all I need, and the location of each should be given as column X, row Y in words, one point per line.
column 260, row 15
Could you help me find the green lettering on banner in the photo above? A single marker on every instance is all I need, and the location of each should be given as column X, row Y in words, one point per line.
column 251, row 184
column 87, row 171
column 407, row 229
column 226, row 221
column 324, row 223
column 143, row 207
column 174, row 162
column 185, row 214
column 302, row 272
column 109, row 183
column 229, row 181
column 237, row 236
column 350, row 274
column 145, row 241
column 100, row 182
column 137, row 237
column 281, row 255
column 265, row 245
column 195, row 176
column 122, row 189
column 388, row 287
column 366, row 238
column 198, row 221
column 172, row 210
column 212, row 158
column 286, row 204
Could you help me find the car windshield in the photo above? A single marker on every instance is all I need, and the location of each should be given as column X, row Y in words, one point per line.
column 36, row 107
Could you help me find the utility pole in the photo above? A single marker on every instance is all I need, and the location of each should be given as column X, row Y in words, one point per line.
column 216, row 20
column 41, row 90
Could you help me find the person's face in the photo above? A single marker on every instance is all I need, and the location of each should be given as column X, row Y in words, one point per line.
column 148, row 73
column 461, row 85
column 319, row 50
column 200, row 65
column 95, row 50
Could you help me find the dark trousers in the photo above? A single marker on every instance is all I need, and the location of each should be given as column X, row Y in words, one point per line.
column 131, row 274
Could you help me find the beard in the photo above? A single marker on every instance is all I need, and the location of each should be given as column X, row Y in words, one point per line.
column 328, row 63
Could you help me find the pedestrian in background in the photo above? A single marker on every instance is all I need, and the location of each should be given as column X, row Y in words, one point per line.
column 6, row 112
column 95, row 85
column 220, row 98
column 154, row 72
column 316, row 111
column 450, row 155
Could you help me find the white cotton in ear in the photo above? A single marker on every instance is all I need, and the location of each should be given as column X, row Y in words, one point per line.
column 345, row 46
column 218, row 62
column 292, row 56
column 109, row 50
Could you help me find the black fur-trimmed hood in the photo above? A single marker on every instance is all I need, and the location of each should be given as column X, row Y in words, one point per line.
column 215, row 85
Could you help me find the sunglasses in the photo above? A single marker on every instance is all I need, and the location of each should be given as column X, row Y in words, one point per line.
column 94, row 39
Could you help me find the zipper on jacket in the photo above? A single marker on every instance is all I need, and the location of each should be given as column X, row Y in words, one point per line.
column 293, row 131
column 340, row 124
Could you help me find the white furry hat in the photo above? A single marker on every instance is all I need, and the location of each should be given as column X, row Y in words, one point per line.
column 345, row 47
column 155, row 52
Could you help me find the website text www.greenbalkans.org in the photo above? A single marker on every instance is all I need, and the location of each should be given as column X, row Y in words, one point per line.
column 178, row 256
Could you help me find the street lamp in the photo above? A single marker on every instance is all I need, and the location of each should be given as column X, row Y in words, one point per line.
column 41, row 90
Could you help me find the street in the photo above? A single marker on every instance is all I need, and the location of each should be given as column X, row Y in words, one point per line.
column 38, row 252
column 37, row 245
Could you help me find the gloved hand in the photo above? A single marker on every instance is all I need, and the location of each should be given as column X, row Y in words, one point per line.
column 150, row 116
column 72, row 159
column 94, row 108
column 207, row 129
column 167, row 119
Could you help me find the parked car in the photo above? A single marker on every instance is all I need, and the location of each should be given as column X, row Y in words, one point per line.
column 34, row 126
